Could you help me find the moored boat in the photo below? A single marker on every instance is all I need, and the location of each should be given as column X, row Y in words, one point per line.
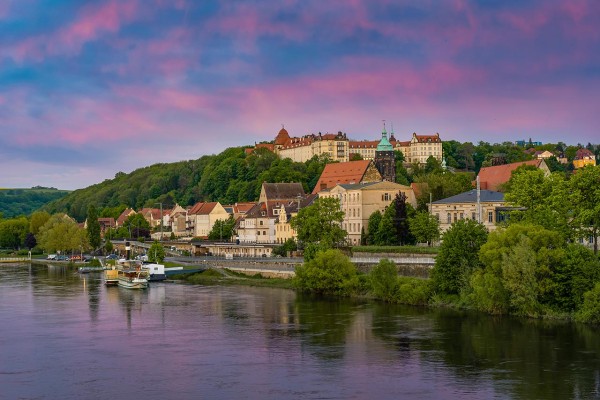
column 133, row 278
column 111, row 277
column 156, row 272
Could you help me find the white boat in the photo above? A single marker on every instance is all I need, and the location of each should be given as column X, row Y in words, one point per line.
column 156, row 272
column 133, row 278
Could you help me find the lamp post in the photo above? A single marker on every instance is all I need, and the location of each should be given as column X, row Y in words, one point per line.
column 161, row 220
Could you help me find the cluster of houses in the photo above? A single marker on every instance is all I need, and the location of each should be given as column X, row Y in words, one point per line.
column 362, row 187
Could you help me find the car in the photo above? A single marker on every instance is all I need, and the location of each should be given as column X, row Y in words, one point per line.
column 75, row 257
column 112, row 257
column 51, row 257
column 62, row 258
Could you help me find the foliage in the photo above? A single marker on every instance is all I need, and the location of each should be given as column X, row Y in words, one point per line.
column 222, row 229
column 30, row 242
column 13, row 232
column 284, row 249
column 108, row 246
column 585, row 198
column 458, row 256
column 135, row 226
column 440, row 186
column 15, row 202
column 93, row 227
column 425, row 228
column 61, row 233
column 393, row 228
column 329, row 272
column 318, row 226
column 384, row 279
column 37, row 220
column 229, row 177
column 373, row 227
column 156, row 253
column 413, row 291
column 590, row 310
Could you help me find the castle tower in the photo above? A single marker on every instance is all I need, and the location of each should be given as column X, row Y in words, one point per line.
column 385, row 161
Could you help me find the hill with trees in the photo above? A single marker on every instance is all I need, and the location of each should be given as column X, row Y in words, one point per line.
column 15, row 202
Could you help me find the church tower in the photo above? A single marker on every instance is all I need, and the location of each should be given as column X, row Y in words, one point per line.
column 385, row 161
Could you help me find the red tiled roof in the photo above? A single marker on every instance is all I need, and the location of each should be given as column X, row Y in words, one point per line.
column 584, row 154
column 363, row 144
column 428, row 138
column 346, row 172
column 202, row 208
column 490, row 178
column 282, row 137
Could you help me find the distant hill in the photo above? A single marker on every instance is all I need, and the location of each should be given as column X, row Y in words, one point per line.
column 15, row 202
column 229, row 177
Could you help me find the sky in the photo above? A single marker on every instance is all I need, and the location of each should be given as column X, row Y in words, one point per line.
column 92, row 88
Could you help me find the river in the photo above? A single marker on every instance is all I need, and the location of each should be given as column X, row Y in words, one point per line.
column 66, row 336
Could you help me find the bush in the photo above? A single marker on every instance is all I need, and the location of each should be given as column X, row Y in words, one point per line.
column 590, row 310
column 328, row 272
column 384, row 280
column 413, row 291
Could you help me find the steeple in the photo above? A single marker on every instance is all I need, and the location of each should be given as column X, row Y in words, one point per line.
column 384, row 143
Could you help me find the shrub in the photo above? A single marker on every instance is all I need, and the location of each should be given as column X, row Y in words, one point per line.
column 384, row 280
column 328, row 272
column 413, row 291
column 590, row 310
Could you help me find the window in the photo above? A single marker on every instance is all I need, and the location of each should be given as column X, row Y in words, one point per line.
column 473, row 216
column 449, row 218
column 261, row 223
column 455, row 217
column 490, row 216
column 462, row 216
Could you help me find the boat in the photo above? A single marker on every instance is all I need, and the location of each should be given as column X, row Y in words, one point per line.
column 156, row 272
column 132, row 277
column 111, row 277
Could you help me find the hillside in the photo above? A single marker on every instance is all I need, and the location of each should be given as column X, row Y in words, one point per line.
column 229, row 177
column 15, row 202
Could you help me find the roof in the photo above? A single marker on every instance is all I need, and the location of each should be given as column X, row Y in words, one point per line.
column 584, row 154
column 339, row 173
column 491, row 178
column 282, row 191
column 202, row 208
column 485, row 196
column 282, row 137
column 427, row 138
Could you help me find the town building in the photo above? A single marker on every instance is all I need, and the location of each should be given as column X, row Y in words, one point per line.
column 177, row 221
column 361, row 171
column 493, row 178
column 488, row 208
column 385, row 160
column 358, row 201
column 202, row 217
column 337, row 147
column 583, row 157
column 258, row 225
column 123, row 216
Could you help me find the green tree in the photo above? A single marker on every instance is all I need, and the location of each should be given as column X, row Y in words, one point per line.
column 373, row 227
column 585, row 200
column 329, row 272
column 156, row 253
column 222, row 229
column 13, row 232
column 284, row 249
column 384, row 280
column 425, row 227
column 30, row 241
column 108, row 246
column 93, row 227
column 458, row 256
column 37, row 220
column 63, row 234
column 355, row 157
column 590, row 310
column 318, row 226
column 135, row 226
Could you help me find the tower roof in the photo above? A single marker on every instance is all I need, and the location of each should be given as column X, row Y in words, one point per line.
column 384, row 143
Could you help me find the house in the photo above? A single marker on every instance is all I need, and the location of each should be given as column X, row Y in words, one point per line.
column 489, row 210
column 543, row 155
column 283, row 228
column 202, row 217
column 492, row 178
column 238, row 210
column 152, row 215
column 176, row 220
column 258, row 224
column 584, row 157
column 348, row 172
column 123, row 217
column 359, row 200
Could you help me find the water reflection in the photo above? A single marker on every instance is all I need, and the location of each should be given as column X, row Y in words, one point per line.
column 219, row 342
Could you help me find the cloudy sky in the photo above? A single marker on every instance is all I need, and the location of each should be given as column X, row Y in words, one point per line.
column 90, row 88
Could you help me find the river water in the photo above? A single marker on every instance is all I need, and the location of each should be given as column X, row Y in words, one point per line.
column 66, row 336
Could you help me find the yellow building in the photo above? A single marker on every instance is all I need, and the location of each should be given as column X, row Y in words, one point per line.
column 490, row 209
column 359, row 201
column 584, row 157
